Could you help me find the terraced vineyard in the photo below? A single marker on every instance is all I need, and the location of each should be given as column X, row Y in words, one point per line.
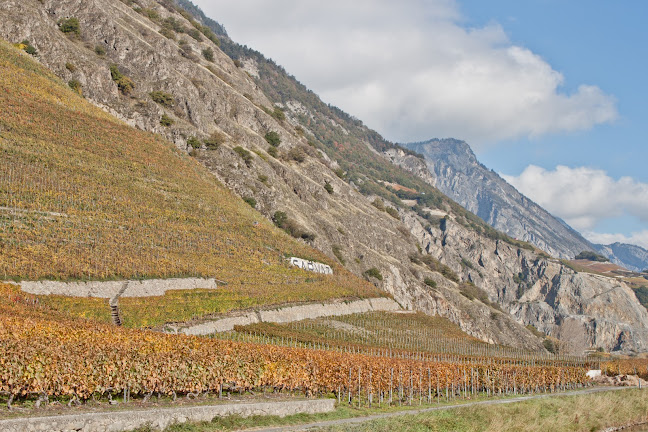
column 92, row 360
column 393, row 335
column 84, row 196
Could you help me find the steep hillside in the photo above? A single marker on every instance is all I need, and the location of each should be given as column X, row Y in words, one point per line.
column 315, row 171
column 457, row 173
column 83, row 195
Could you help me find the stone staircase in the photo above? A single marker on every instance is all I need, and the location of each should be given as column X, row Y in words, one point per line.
column 114, row 305
column 114, row 314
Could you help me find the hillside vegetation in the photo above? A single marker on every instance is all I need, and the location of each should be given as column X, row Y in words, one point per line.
column 83, row 196
column 92, row 360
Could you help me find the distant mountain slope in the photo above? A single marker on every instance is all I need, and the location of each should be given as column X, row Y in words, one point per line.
column 458, row 174
column 629, row 256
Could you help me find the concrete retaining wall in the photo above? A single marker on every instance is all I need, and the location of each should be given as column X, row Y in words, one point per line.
column 293, row 313
column 109, row 289
column 161, row 418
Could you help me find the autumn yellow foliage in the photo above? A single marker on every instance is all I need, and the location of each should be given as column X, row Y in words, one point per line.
column 44, row 352
column 84, row 196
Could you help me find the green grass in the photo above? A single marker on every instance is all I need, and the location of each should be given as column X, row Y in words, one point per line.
column 573, row 413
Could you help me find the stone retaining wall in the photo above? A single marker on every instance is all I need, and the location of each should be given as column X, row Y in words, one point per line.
column 109, row 289
column 293, row 313
column 161, row 418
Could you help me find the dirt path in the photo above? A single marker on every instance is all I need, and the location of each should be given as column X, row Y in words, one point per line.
column 357, row 420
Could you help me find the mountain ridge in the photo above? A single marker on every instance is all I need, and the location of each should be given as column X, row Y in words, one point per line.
column 458, row 173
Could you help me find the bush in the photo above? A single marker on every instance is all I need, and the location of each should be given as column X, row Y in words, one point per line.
column 194, row 33
column 550, row 345
column 378, row 204
column 340, row 173
column 328, row 187
column 291, row 227
column 100, row 51
column 124, row 84
column 374, row 273
column 279, row 218
column 337, row 251
column 297, row 154
column 430, row 282
column 28, row 48
column 238, row 63
column 467, row 263
column 149, row 13
column 194, row 142
column 245, row 155
column 215, row 140
column 174, row 25
column 167, row 33
column 166, row 120
column 208, row 53
column 272, row 151
column 391, row 211
column 591, row 256
column 251, row 201
column 471, row 291
column 76, row 86
column 69, row 66
column 163, row 98
column 263, row 179
column 70, row 26
column 273, row 138
column 278, row 114
column 436, row 266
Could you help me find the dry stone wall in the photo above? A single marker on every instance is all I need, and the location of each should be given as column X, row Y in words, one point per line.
column 292, row 313
column 159, row 419
column 110, row 289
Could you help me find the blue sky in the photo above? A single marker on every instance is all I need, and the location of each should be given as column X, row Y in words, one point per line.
column 549, row 93
column 598, row 42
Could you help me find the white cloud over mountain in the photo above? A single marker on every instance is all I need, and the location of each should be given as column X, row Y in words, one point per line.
column 584, row 197
column 411, row 70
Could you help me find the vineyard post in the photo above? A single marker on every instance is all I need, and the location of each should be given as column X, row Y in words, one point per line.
column 359, row 387
column 420, row 386
column 349, row 387
column 411, row 387
column 429, row 387
column 400, row 386
column 370, row 388
column 391, row 386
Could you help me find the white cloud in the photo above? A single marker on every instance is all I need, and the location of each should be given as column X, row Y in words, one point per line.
column 410, row 69
column 584, row 197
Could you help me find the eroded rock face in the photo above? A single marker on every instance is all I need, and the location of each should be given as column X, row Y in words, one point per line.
column 219, row 97
column 583, row 309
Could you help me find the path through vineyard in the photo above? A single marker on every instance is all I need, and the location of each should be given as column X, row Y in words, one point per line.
column 357, row 420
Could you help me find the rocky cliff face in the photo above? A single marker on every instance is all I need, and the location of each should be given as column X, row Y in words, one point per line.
column 457, row 173
column 223, row 105
column 584, row 309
